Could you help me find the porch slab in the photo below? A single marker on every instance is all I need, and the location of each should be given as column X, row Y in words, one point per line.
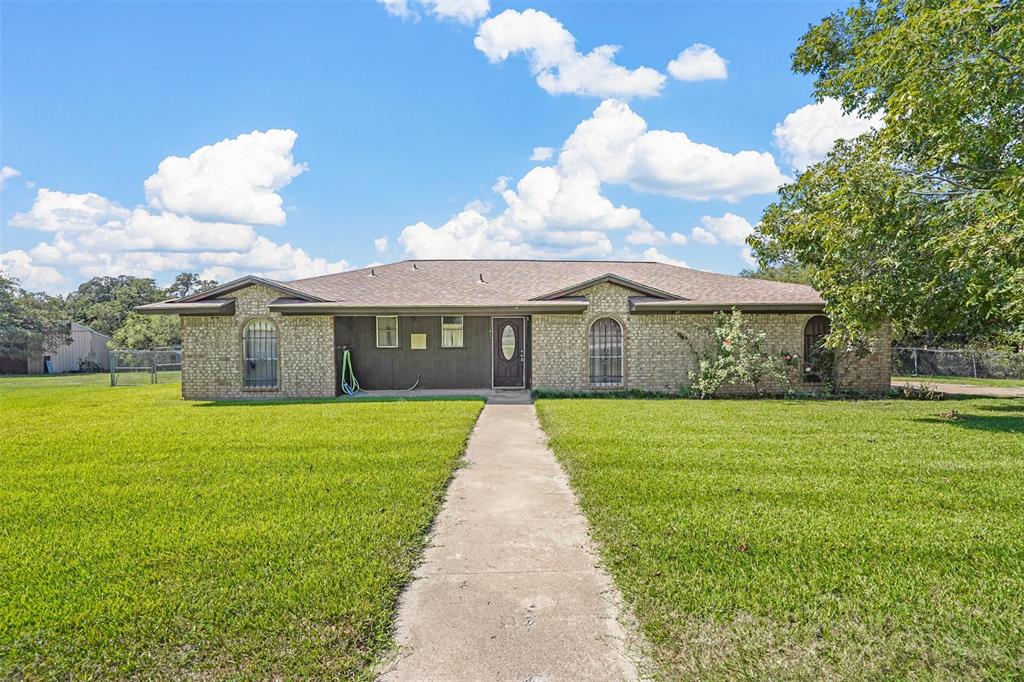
column 500, row 396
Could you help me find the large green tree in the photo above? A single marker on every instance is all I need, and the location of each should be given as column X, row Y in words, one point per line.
column 29, row 322
column 103, row 303
column 148, row 332
column 188, row 283
column 106, row 305
column 922, row 221
column 780, row 272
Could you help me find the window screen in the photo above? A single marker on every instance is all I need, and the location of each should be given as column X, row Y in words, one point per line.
column 452, row 331
column 387, row 331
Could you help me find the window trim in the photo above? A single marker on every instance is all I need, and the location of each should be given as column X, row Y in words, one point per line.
column 621, row 356
column 376, row 330
column 462, row 328
column 276, row 355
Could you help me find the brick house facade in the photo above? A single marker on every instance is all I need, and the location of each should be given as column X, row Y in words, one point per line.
column 211, row 351
column 657, row 360
column 513, row 328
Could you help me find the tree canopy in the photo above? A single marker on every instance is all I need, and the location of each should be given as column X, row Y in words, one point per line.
column 106, row 303
column 103, row 303
column 147, row 332
column 188, row 283
column 922, row 221
column 29, row 322
column 782, row 272
column 159, row 331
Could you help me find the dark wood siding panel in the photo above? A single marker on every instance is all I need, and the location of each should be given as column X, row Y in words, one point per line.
column 436, row 367
column 9, row 365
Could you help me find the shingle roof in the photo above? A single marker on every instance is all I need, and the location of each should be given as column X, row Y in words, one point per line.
column 515, row 282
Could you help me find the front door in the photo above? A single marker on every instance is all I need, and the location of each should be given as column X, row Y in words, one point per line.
column 508, row 344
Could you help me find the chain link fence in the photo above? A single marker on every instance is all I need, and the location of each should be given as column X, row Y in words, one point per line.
column 129, row 367
column 944, row 362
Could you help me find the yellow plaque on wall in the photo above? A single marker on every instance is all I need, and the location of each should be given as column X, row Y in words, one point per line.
column 418, row 341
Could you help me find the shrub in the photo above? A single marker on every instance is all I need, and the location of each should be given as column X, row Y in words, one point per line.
column 731, row 351
column 922, row 392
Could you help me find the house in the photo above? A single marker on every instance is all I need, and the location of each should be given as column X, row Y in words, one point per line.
column 87, row 352
column 470, row 324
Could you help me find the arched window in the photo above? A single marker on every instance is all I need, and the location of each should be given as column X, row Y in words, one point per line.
column 606, row 352
column 259, row 348
column 817, row 358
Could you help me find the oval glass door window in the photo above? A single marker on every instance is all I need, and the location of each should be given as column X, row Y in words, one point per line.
column 508, row 342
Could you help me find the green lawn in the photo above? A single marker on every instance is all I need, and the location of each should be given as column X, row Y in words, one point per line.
column 970, row 381
column 143, row 536
column 809, row 539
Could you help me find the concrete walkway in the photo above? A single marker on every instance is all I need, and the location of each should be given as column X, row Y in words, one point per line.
column 509, row 588
column 965, row 389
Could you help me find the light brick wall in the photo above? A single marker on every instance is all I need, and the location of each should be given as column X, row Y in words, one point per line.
column 211, row 348
column 655, row 359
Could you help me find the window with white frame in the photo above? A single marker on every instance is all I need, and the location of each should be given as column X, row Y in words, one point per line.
column 452, row 331
column 387, row 331
column 606, row 353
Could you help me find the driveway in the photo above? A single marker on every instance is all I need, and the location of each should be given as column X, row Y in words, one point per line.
column 966, row 389
column 509, row 588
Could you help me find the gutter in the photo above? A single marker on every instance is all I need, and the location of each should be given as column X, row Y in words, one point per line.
column 312, row 308
column 213, row 306
column 692, row 307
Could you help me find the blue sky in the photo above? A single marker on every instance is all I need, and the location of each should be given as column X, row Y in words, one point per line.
column 380, row 132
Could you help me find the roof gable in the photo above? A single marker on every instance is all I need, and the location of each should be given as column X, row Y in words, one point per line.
column 613, row 279
column 248, row 281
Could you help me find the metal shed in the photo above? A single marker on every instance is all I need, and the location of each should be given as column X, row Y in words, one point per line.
column 86, row 347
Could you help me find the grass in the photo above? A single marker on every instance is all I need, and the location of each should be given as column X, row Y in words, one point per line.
column 142, row 536
column 809, row 539
column 968, row 381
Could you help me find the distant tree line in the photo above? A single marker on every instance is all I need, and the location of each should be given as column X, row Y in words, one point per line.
column 32, row 322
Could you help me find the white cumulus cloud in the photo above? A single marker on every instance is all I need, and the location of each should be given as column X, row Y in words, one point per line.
column 547, row 214
column 808, row 134
column 18, row 264
column 235, row 180
column 380, row 244
column 652, row 254
column 651, row 236
column 6, row 173
column 702, row 236
column 186, row 226
column 54, row 211
column 463, row 11
column 467, row 235
column 145, row 231
column 560, row 210
column 398, row 8
column 542, row 153
column 556, row 63
column 748, row 257
column 616, row 143
column 698, row 62
column 273, row 260
column 729, row 228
